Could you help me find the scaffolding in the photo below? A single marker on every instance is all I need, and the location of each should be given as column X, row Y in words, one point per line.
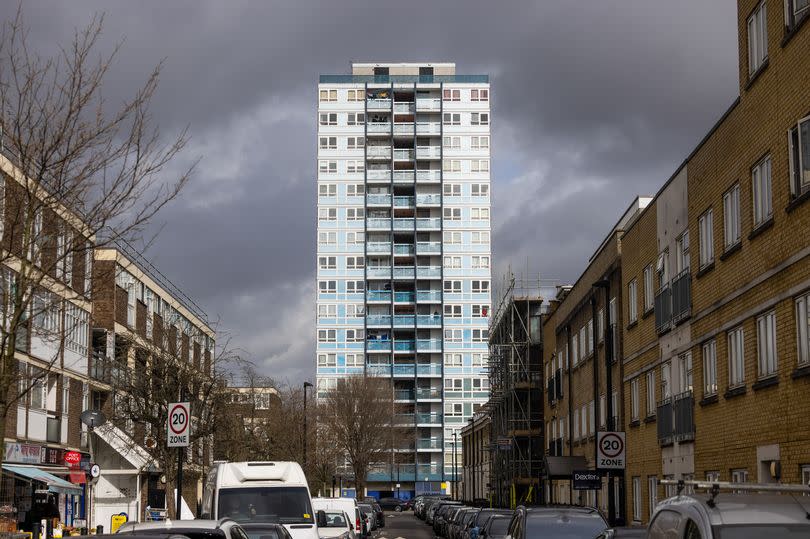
column 516, row 390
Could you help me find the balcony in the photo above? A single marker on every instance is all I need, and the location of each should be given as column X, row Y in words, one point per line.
column 663, row 309
column 405, row 346
column 428, row 152
column 428, row 128
column 428, row 104
column 429, row 320
column 378, row 104
column 428, row 272
column 684, row 424
column 378, row 295
column 378, row 152
column 428, row 472
column 429, row 444
column 403, row 272
column 428, row 394
column 379, row 174
column 379, row 247
column 378, row 320
column 429, row 369
column 434, row 418
column 405, row 107
column 404, row 297
column 404, row 249
column 377, row 223
column 404, row 370
column 429, row 247
column 108, row 370
column 403, row 155
column 378, row 370
column 403, row 419
column 403, row 176
column 428, row 296
column 378, row 345
column 403, row 223
column 378, row 272
column 382, row 128
column 429, row 223
column 681, row 296
column 428, row 176
column 404, row 320
column 404, row 202
column 378, row 200
column 429, row 200
column 428, row 345
column 665, row 421
column 405, row 128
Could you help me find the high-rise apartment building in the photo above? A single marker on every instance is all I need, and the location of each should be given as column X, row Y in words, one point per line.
column 404, row 252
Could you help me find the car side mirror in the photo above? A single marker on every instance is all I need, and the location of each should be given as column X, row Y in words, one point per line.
column 320, row 516
column 607, row 534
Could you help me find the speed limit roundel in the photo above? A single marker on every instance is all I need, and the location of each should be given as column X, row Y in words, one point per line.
column 178, row 424
column 610, row 451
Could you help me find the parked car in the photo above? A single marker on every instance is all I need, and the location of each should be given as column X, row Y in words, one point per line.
column 474, row 529
column 557, row 521
column 349, row 505
column 379, row 514
column 338, row 525
column 372, row 515
column 224, row 528
column 497, row 527
column 456, row 528
column 393, row 504
column 447, row 520
column 266, row 530
column 465, row 523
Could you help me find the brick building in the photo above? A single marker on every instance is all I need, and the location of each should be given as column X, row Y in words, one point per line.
column 476, row 458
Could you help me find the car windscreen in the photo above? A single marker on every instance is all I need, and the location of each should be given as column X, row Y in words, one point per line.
column 191, row 533
column 468, row 517
column 756, row 531
column 483, row 516
column 564, row 525
column 287, row 505
column 499, row 526
column 336, row 519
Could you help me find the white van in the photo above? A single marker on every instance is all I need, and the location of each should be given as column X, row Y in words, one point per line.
column 262, row 492
column 349, row 505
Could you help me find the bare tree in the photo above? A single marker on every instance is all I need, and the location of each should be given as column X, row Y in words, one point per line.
column 76, row 172
column 359, row 417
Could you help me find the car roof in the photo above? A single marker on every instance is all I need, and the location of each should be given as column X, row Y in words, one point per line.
column 745, row 508
column 169, row 525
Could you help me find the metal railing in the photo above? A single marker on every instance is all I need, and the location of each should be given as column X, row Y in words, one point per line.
column 434, row 418
column 404, row 297
column 428, row 271
column 379, row 247
column 428, row 175
column 378, row 320
column 429, row 320
column 681, row 296
column 404, row 370
column 428, row 393
column 404, row 319
column 428, row 103
column 684, row 408
column 404, row 271
column 404, row 202
column 663, row 308
column 404, row 155
column 428, row 223
column 378, row 223
column 428, row 152
column 428, row 369
column 403, row 175
column 378, row 151
column 378, row 295
column 429, row 443
column 379, row 271
column 404, row 249
column 429, row 296
column 405, row 346
column 665, row 422
column 403, row 223
column 428, row 344
column 405, row 128
column 428, row 199
column 378, row 104
column 405, row 106
column 378, row 127
column 378, row 345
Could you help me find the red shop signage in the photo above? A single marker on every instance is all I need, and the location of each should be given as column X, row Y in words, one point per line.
column 73, row 458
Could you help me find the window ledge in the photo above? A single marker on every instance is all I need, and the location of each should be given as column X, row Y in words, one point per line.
column 755, row 75
column 762, row 227
column 650, row 419
column 632, row 324
column 647, row 313
column 735, row 392
column 635, row 423
column 731, row 250
column 798, row 201
column 765, row 382
column 801, row 372
column 709, row 399
column 789, row 33
column 704, row 270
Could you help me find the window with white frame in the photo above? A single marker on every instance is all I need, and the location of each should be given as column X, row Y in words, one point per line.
column 327, row 143
column 327, row 190
column 480, row 384
column 803, row 329
column 634, row 399
column 453, row 409
column 354, row 143
column 327, row 118
column 355, row 214
column 355, row 189
column 451, row 165
column 452, row 335
column 452, row 287
column 757, row 38
column 731, row 217
column 583, row 341
column 328, row 95
column 452, row 262
column 795, row 12
column 761, row 191
column 479, row 118
column 452, row 237
column 652, row 491
column 452, row 214
column 799, row 148
column 736, row 357
column 479, row 214
column 327, row 310
column 355, row 165
column 354, row 360
column 682, row 252
column 355, row 95
column 327, row 238
column 453, row 360
column 480, row 335
column 354, row 287
column 327, row 262
column 327, row 287
column 710, row 368
column 452, row 311
column 766, row 344
column 449, row 94
column 576, row 424
column 327, row 360
column 452, row 143
column 739, row 475
column 326, row 384
column 479, row 142
column 355, row 310
column 479, row 94
column 480, row 189
column 632, row 300
column 480, row 287
column 666, row 384
column 327, row 167
column 480, row 311
column 45, row 311
column 356, row 118
column 355, row 237
column 649, row 294
column 480, row 238
column 804, row 469
column 637, row 498
column 685, row 372
column 480, row 262
column 600, row 325
column 452, row 190
column 479, row 165
column 451, row 118
column 453, row 384
column 479, row 359
column 662, row 268
column 355, row 335
column 650, row 393
column 327, row 335
column 574, row 350
column 706, row 233
column 327, row 214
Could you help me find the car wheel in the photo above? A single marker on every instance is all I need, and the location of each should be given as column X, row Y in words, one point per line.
column 398, row 508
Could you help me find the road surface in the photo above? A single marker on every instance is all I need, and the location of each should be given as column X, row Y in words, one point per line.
column 404, row 526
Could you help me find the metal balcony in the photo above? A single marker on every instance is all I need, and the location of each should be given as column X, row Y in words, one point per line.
column 378, row 128
column 404, row 320
column 428, row 152
column 378, row 320
column 684, row 407
column 378, row 223
column 381, row 247
column 428, row 176
column 428, row 394
column 665, row 422
column 378, row 295
column 378, row 272
column 429, row 320
column 427, row 345
column 429, row 272
column 428, row 200
column 429, row 369
column 405, row 128
column 405, row 346
column 378, row 200
column 404, row 202
column 378, row 152
column 403, row 223
column 403, row 155
column 404, row 370
column 428, row 223
column 663, row 309
column 428, row 296
column 378, row 104
column 428, row 104
column 404, row 272
column 405, row 106
column 403, row 176
column 434, row 418
column 404, row 249
column 404, row 297
column 428, row 128
column 681, row 296
column 403, row 395
column 429, row 444
column 378, row 345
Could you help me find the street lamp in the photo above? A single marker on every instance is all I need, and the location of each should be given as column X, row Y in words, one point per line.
column 455, row 469
column 306, row 432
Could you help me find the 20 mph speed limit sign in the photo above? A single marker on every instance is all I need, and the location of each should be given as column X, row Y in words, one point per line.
column 610, row 451
column 178, row 424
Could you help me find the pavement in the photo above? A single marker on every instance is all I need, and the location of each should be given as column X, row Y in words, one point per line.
column 403, row 525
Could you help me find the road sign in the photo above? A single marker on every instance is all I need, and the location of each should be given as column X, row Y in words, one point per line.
column 610, row 451
column 95, row 471
column 178, row 424
column 586, row 480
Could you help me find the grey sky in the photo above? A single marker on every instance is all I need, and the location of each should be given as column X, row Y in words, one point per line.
column 593, row 102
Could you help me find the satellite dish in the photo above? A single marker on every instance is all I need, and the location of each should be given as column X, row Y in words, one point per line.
column 93, row 418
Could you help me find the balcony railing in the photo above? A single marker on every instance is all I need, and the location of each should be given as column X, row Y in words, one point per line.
column 428, row 247
column 109, row 370
column 404, row 320
column 681, row 296
column 404, row 297
column 434, row 418
column 406, row 176
column 378, row 127
column 428, row 393
column 377, row 223
column 428, row 369
column 378, row 295
column 379, row 247
column 429, row 443
column 665, row 421
column 403, row 419
column 428, row 128
column 406, row 106
column 684, row 407
column 378, row 200
column 403, row 155
column 428, row 344
column 428, row 200
column 383, row 272
column 378, row 370
column 428, row 103
column 405, row 128
column 378, row 104
column 404, row 202
column 428, row 296
column 379, row 174
column 404, row 370
column 378, row 345
column 378, row 320
column 404, row 249
column 428, row 223
column 663, row 309
column 428, row 271
column 429, row 320
column 405, row 346
column 381, row 152
column 428, row 152
column 404, row 272
column 403, row 223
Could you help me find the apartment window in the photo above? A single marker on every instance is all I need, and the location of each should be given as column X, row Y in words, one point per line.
column 479, row 94
column 795, row 12
column 576, row 424
column 662, row 267
column 354, row 143
column 637, row 498
column 451, row 165
column 327, row 143
column 634, row 399
column 355, row 95
column 713, row 476
column 757, row 38
column 479, row 214
column 452, row 237
column 327, row 311
column 452, row 311
column 453, row 384
column 650, row 393
column 666, row 384
column 805, row 473
column 453, row 360
column 583, row 415
column 327, row 262
column 706, row 232
column 479, row 359
column 452, row 143
column 451, row 118
column 355, row 214
column 583, row 341
column 354, row 166
column 602, row 411
column 451, row 95
column 355, row 262
column 354, row 360
column 452, row 335
column 452, row 262
column 480, row 262
column 740, row 475
column 327, row 190
column 327, row 335
column 736, row 358
column 710, row 368
column 731, row 217
column 328, row 95
column 354, row 287
column 452, row 190
column 355, row 237
column 766, row 344
column 592, row 417
column 355, row 189
column 649, row 297
column 803, row 328
column 327, row 214
column 327, row 167
column 327, row 287
column 479, row 118
column 452, row 287
column 761, row 189
column 600, row 325
column 685, row 371
column 453, row 409
column 480, row 287
column 480, row 238
column 452, row 214
column 480, row 335
column 479, row 142
column 328, row 118
column 480, row 384
column 355, row 310
column 480, row 189
column 632, row 300
column 682, row 252
column 799, row 139
column 480, row 311
column 479, row 165
column 356, row 118
column 327, row 238
column 327, row 360
column 652, row 488
column 575, row 351
column 355, row 335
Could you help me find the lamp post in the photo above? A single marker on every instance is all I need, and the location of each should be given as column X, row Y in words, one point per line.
column 306, row 432
column 455, row 469
column 604, row 284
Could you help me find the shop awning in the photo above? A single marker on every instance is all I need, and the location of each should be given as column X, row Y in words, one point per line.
column 563, row 467
column 54, row 483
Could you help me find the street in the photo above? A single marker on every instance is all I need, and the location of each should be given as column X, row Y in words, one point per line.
column 405, row 526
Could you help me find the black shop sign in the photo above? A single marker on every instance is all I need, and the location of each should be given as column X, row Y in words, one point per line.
column 586, row 480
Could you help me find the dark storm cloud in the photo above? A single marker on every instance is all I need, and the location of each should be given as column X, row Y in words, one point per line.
column 593, row 103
